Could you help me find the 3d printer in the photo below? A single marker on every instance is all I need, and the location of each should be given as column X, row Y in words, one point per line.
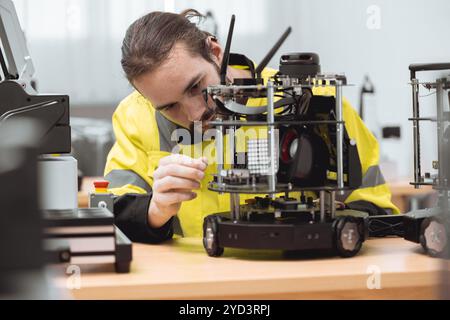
column 307, row 149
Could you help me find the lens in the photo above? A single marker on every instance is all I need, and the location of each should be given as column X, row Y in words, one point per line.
column 289, row 145
column 293, row 148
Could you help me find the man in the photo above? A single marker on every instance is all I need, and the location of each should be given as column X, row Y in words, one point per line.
column 169, row 61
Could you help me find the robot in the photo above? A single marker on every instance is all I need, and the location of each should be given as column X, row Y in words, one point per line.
column 429, row 226
column 306, row 150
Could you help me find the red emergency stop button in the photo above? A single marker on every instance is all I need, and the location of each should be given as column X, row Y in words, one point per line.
column 101, row 186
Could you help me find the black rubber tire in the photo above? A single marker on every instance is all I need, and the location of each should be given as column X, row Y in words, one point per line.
column 214, row 249
column 339, row 226
column 432, row 252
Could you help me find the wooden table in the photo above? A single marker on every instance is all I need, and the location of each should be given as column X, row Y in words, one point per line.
column 180, row 269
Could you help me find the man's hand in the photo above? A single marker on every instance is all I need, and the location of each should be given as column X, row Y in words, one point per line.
column 173, row 181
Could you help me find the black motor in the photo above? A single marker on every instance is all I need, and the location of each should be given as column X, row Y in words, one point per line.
column 300, row 65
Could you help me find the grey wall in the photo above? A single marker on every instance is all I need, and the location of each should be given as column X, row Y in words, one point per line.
column 410, row 31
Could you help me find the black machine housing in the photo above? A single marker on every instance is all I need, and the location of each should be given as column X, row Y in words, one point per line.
column 51, row 111
column 51, row 134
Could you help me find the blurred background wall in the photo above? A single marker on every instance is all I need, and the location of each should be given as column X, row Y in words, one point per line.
column 75, row 46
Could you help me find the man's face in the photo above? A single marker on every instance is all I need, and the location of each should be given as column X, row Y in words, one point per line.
column 175, row 87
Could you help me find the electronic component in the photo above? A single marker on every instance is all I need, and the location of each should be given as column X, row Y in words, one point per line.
column 258, row 156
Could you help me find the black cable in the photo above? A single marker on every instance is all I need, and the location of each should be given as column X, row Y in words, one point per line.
column 6, row 73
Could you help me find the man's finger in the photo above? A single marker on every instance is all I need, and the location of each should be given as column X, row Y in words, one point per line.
column 169, row 198
column 169, row 183
column 183, row 160
column 178, row 171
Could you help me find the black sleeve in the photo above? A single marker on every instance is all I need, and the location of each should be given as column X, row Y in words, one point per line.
column 130, row 211
column 366, row 206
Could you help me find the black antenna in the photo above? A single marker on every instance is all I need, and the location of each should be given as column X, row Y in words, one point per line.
column 226, row 54
column 271, row 53
column 6, row 73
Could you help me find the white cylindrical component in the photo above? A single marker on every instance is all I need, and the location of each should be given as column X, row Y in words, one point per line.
column 58, row 182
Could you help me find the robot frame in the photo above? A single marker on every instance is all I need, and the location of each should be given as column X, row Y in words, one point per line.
column 430, row 226
column 313, row 154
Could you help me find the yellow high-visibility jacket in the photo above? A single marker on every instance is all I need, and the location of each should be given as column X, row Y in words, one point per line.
column 144, row 136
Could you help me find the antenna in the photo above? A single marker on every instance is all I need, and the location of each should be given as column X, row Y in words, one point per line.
column 226, row 54
column 271, row 53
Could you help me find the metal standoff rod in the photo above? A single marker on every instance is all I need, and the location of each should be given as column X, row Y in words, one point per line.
column 322, row 205
column 327, row 204
column 235, row 206
column 272, row 176
column 339, row 137
column 416, row 132
column 440, row 129
column 219, row 152
column 333, row 204
column 231, row 132
column 234, row 197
